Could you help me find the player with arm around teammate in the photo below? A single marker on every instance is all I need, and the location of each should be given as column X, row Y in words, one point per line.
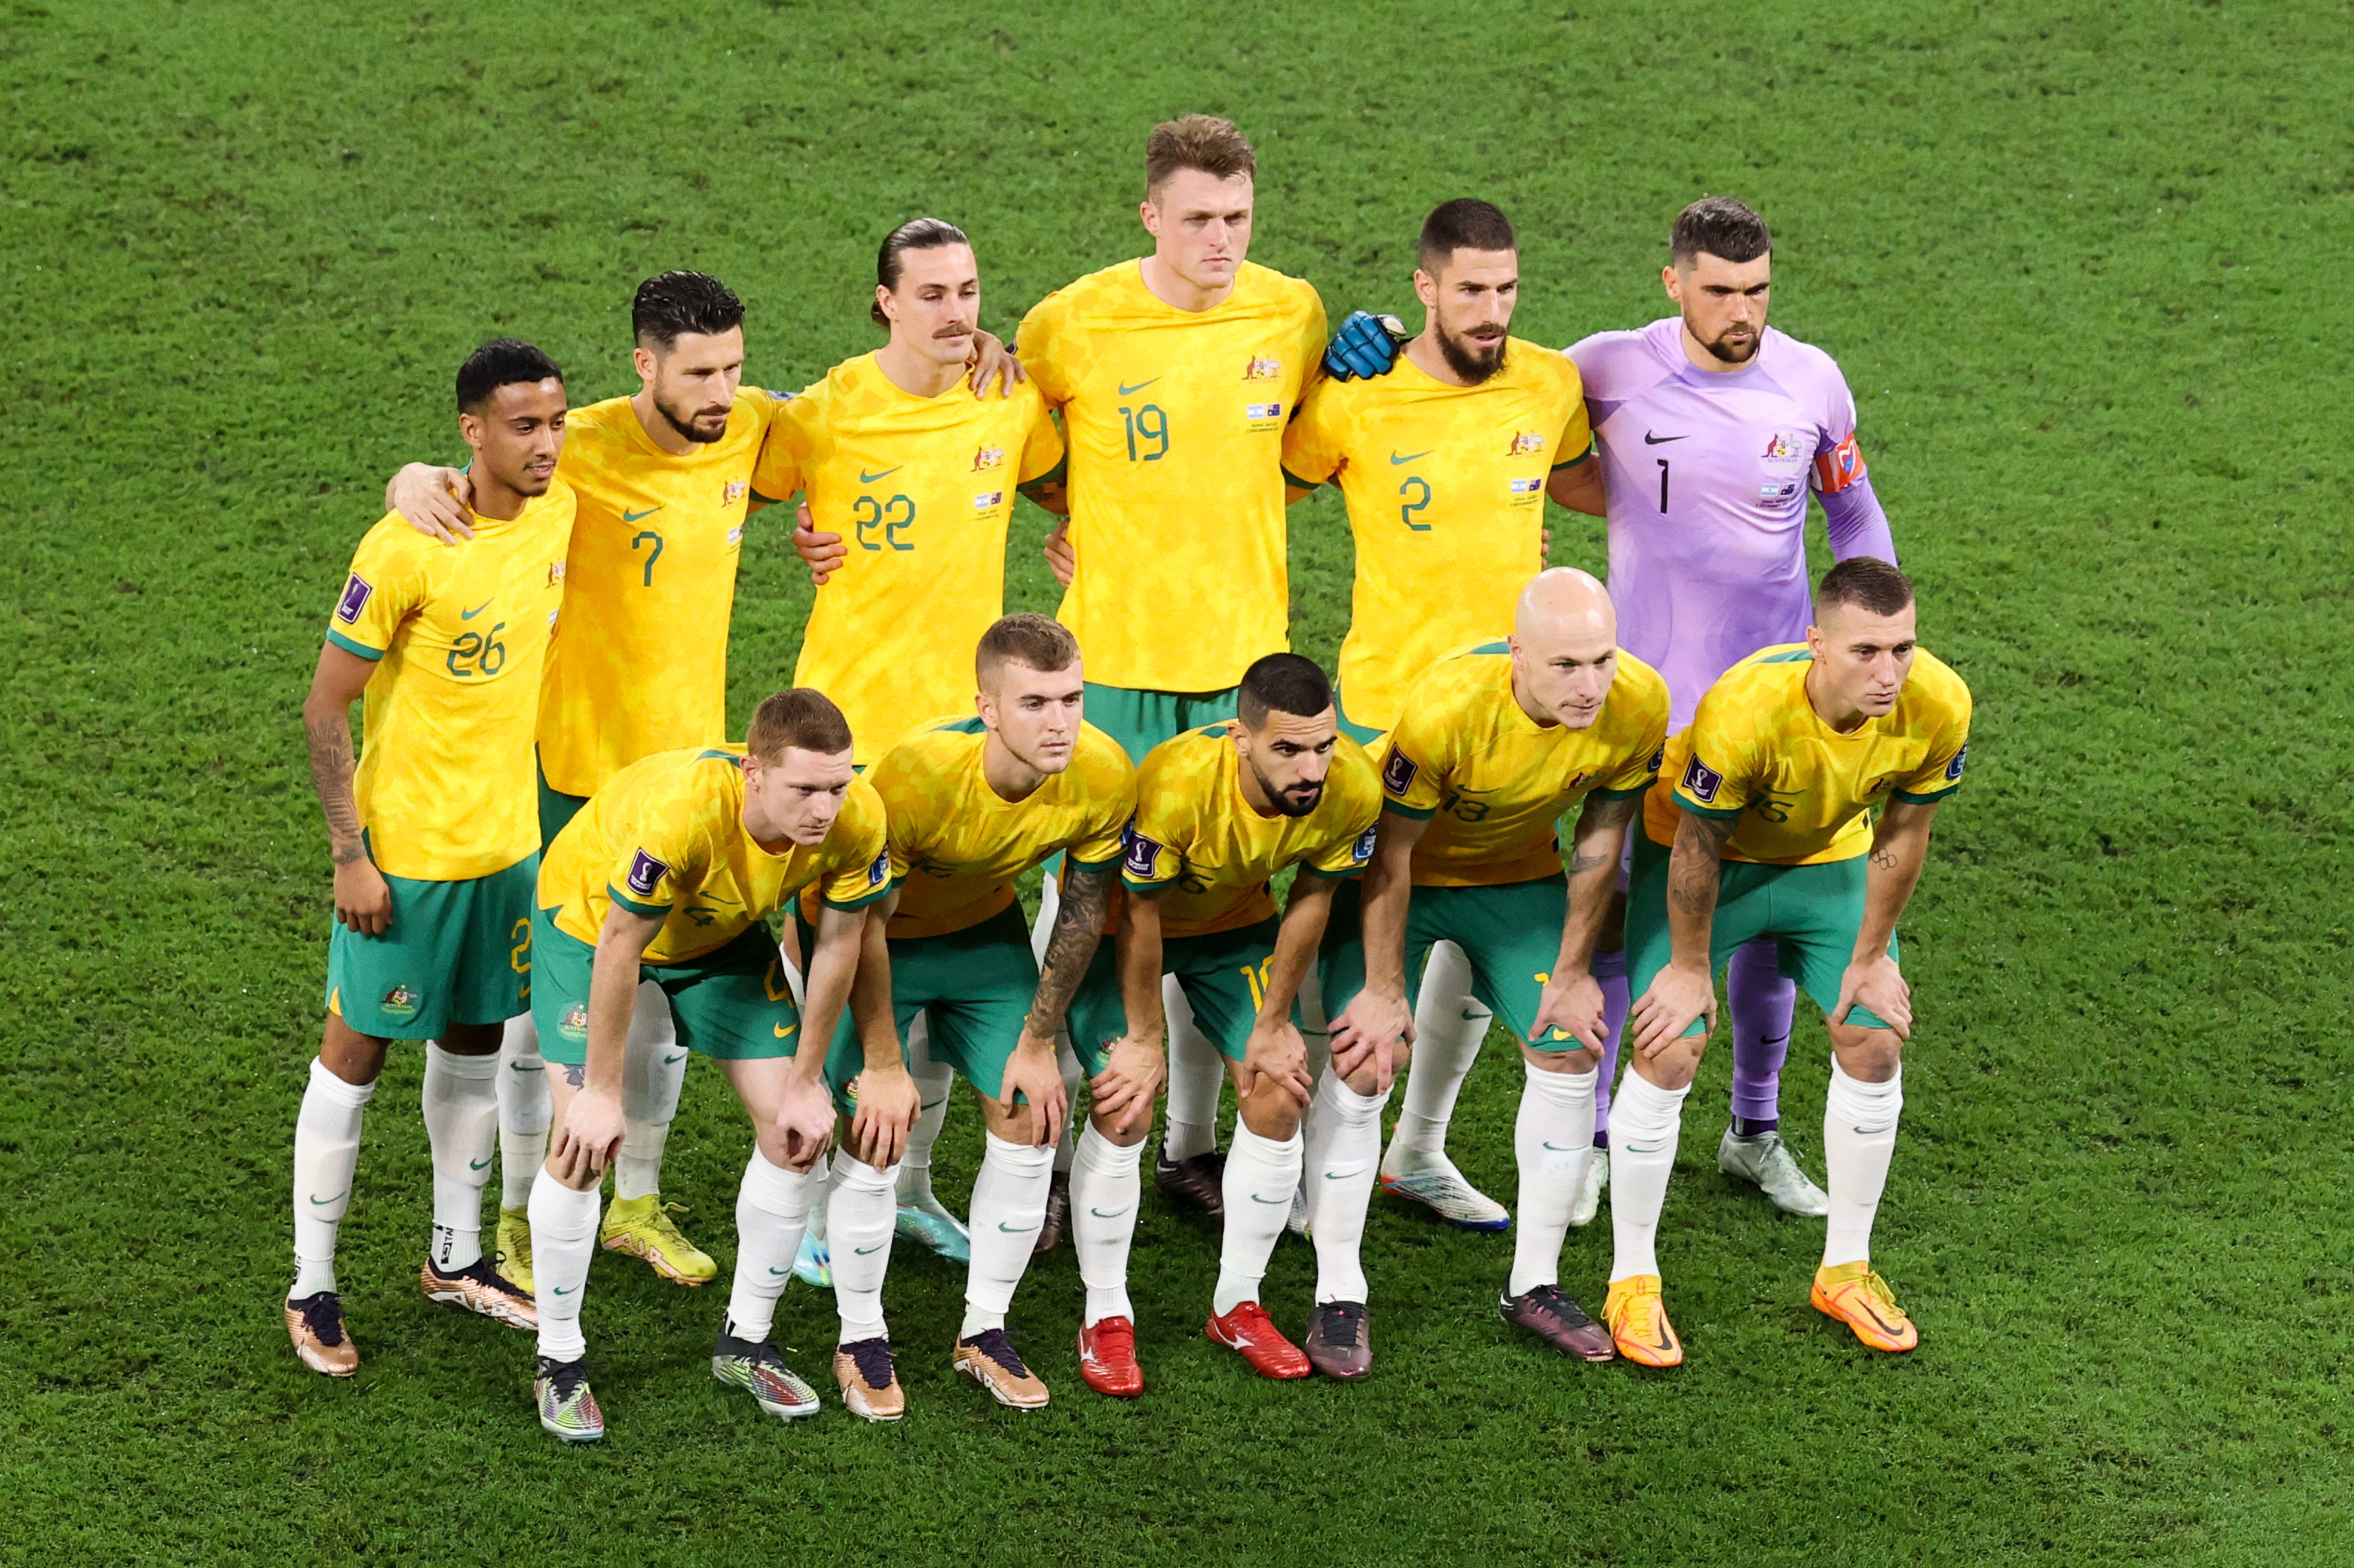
column 434, row 844
column 1765, row 833
column 1495, row 745
column 1221, row 811
column 670, row 874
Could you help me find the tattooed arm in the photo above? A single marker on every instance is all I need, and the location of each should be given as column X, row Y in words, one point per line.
column 1899, row 849
column 362, row 899
column 1032, row 1072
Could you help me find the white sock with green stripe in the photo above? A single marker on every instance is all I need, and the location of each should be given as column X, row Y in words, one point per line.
column 524, row 1112
column 1106, row 1185
column 772, row 1208
column 1553, row 1137
column 653, row 1073
column 462, row 1121
column 326, row 1155
column 1009, row 1205
column 1261, row 1175
column 862, row 1211
column 563, row 1235
column 1646, row 1122
column 1348, row 1142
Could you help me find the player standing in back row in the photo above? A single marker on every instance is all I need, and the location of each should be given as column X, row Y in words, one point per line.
column 1175, row 374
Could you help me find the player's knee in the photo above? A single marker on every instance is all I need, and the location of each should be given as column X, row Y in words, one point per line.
column 1108, row 1127
column 1584, row 1059
column 474, row 1039
column 1675, row 1068
column 1271, row 1112
column 1869, row 1055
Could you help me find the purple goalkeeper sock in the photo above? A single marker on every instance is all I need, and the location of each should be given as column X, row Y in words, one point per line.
column 1761, row 1003
column 1609, row 970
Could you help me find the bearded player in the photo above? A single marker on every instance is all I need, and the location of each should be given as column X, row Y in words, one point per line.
column 1765, row 834
column 434, row 844
column 1496, row 744
column 1445, row 465
column 908, row 479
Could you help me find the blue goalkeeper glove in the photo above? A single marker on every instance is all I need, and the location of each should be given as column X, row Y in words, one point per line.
column 1366, row 345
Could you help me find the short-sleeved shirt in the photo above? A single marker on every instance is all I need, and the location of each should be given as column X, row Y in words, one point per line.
column 1175, row 423
column 1195, row 835
column 1707, row 474
column 920, row 490
column 460, row 635
column 1494, row 782
column 957, row 844
column 1445, row 485
column 1757, row 752
column 665, row 838
column 651, row 586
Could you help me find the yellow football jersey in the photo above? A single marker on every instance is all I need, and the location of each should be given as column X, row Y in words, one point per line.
column 1445, row 485
column 1175, row 423
column 459, row 637
column 1196, row 835
column 1494, row 782
column 957, row 844
column 1756, row 750
column 652, row 586
column 665, row 837
column 920, row 489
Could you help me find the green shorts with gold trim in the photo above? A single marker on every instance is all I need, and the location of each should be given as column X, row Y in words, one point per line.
column 1141, row 719
column 732, row 1003
column 1511, row 933
column 1222, row 974
column 975, row 986
column 1814, row 913
column 456, row 952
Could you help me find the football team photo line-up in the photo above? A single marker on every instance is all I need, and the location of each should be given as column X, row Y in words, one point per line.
column 1524, row 798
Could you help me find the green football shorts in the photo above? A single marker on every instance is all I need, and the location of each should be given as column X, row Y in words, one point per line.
column 1814, row 913
column 1224, row 974
column 1140, row 720
column 975, row 985
column 456, row 952
column 732, row 1003
column 1512, row 934
column 555, row 808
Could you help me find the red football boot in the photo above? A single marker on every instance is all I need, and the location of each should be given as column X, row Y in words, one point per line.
column 1250, row 1330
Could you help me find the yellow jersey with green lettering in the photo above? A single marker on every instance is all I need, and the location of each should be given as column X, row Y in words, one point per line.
column 920, row 490
column 665, row 838
column 1175, row 424
column 1494, row 782
column 1757, row 753
column 1197, row 836
column 652, row 586
column 1445, row 485
column 957, row 844
column 459, row 634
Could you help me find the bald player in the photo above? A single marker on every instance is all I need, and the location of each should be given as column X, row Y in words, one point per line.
column 1496, row 743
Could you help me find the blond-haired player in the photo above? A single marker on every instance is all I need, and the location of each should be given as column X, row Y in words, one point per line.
column 1766, row 833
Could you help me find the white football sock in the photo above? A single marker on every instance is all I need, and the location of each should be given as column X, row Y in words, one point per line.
column 1646, row 1120
column 563, row 1234
column 1341, row 1184
column 1449, row 1026
column 652, row 1070
column 1105, row 1188
column 1261, row 1174
column 1009, row 1205
column 934, row 1083
column 861, row 1211
column 1066, row 1143
column 327, row 1154
column 1858, row 1140
column 461, row 1124
column 524, row 1112
column 1553, row 1138
column 772, row 1207
column 1196, row 1074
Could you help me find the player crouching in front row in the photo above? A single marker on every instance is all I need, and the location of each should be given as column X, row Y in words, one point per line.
column 669, row 874
column 1766, row 833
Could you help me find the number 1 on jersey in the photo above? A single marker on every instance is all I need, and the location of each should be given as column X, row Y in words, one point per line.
column 1663, row 486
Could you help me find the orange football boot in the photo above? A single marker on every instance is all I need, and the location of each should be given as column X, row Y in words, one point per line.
column 1638, row 1323
column 1855, row 1295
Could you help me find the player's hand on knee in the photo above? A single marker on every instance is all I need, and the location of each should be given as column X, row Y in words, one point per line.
column 1366, row 345
column 804, row 1120
column 823, row 553
column 1061, row 558
column 362, row 897
column 1275, row 1051
column 1669, row 1004
column 1877, row 985
column 993, row 361
column 1124, row 1091
column 1569, row 1009
column 888, row 1104
column 433, row 500
column 589, row 1138
column 1372, row 1030
column 1032, row 1072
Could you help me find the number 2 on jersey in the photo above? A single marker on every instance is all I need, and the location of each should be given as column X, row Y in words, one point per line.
column 891, row 515
column 1149, row 424
column 1418, row 489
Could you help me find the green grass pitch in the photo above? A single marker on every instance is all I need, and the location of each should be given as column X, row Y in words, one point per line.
column 2083, row 263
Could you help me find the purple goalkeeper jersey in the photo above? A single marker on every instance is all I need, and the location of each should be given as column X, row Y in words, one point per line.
column 1707, row 474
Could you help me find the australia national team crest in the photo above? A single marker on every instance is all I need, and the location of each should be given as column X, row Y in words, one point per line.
column 1525, row 442
column 555, row 573
column 399, row 1003
column 1262, row 368
column 988, row 457
column 1781, row 449
column 574, row 1026
column 1701, row 782
column 737, row 489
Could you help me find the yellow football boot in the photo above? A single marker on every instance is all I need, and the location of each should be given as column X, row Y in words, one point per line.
column 1855, row 1295
column 643, row 1228
column 512, row 1249
column 1638, row 1323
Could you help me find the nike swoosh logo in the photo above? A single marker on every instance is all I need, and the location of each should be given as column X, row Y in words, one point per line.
column 864, row 1250
column 525, row 1067
column 867, row 478
column 1571, row 1148
column 561, row 1291
column 674, row 1060
column 1101, row 1215
column 337, row 1198
column 780, row 1271
column 1639, row 1149
column 1471, row 1018
column 1409, row 457
column 1652, row 441
column 633, row 516
column 478, row 1165
column 926, row 1104
column 1128, row 391
column 470, row 614
column 1343, row 1175
column 1014, row 1230
column 1285, row 1199
column 784, row 1029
